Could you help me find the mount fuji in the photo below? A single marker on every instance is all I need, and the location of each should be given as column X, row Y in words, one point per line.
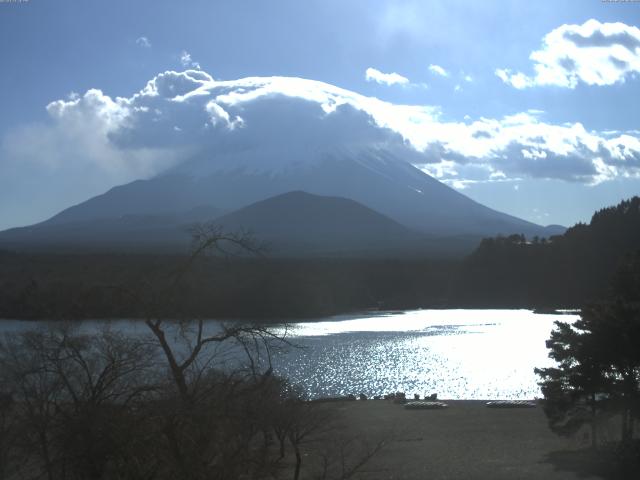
column 156, row 213
column 261, row 141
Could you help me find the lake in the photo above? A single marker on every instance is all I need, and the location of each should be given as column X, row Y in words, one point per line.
column 458, row 354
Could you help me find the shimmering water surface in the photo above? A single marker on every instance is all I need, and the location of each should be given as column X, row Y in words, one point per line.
column 458, row 354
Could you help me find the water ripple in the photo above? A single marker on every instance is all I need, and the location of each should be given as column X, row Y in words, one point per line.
column 460, row 354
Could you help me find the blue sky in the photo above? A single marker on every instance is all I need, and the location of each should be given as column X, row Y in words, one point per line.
column 468, row 63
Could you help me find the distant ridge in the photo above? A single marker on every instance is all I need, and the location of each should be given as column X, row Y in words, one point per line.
column 294, row 223
column 302, row 222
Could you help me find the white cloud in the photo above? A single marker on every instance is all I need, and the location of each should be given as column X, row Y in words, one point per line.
column 45, row 167
column 438, row 70
column 516, row 80
column 143, row 42
column 373, row 75
column 79, row 135
column 593, row 53
column 106, row 140
column 187, row 62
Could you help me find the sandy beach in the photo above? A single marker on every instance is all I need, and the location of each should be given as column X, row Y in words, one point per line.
column 467, row 440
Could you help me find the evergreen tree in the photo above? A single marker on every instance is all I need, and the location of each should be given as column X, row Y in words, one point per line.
column 598, row 361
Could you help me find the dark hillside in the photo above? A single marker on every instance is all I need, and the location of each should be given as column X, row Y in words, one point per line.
column 565, row 270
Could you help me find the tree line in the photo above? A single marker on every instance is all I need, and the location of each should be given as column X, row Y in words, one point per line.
column 562, row 271
column 512, row 271
column 46, row 286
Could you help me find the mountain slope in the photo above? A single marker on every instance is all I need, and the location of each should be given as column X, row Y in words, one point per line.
column 291, row 224
column 375, row 178
column 302, row 222
column 140, row 232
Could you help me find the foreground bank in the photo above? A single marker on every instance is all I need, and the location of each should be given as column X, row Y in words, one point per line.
column 467, row 440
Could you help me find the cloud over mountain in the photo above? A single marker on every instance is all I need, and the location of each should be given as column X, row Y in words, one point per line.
column 374, row 75
column 178, row 115
column 593, row 53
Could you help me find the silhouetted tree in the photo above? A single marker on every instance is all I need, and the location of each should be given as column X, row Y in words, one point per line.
column 573, row 390
column 71, row 392
column 598, row 361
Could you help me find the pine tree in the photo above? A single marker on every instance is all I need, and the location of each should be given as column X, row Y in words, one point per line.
column 598, row 361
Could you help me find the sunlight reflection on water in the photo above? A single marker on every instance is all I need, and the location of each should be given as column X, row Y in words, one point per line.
column 460, row 354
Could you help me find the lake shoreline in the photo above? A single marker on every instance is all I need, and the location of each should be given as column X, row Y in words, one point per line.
column 311, row 319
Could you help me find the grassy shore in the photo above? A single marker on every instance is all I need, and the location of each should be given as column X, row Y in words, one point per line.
column 465, row 441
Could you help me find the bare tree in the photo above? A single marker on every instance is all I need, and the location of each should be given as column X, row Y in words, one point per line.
column 189, row 400
column 70, row 391
column 255, row 340
column 305, row 419
column 219, row 371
